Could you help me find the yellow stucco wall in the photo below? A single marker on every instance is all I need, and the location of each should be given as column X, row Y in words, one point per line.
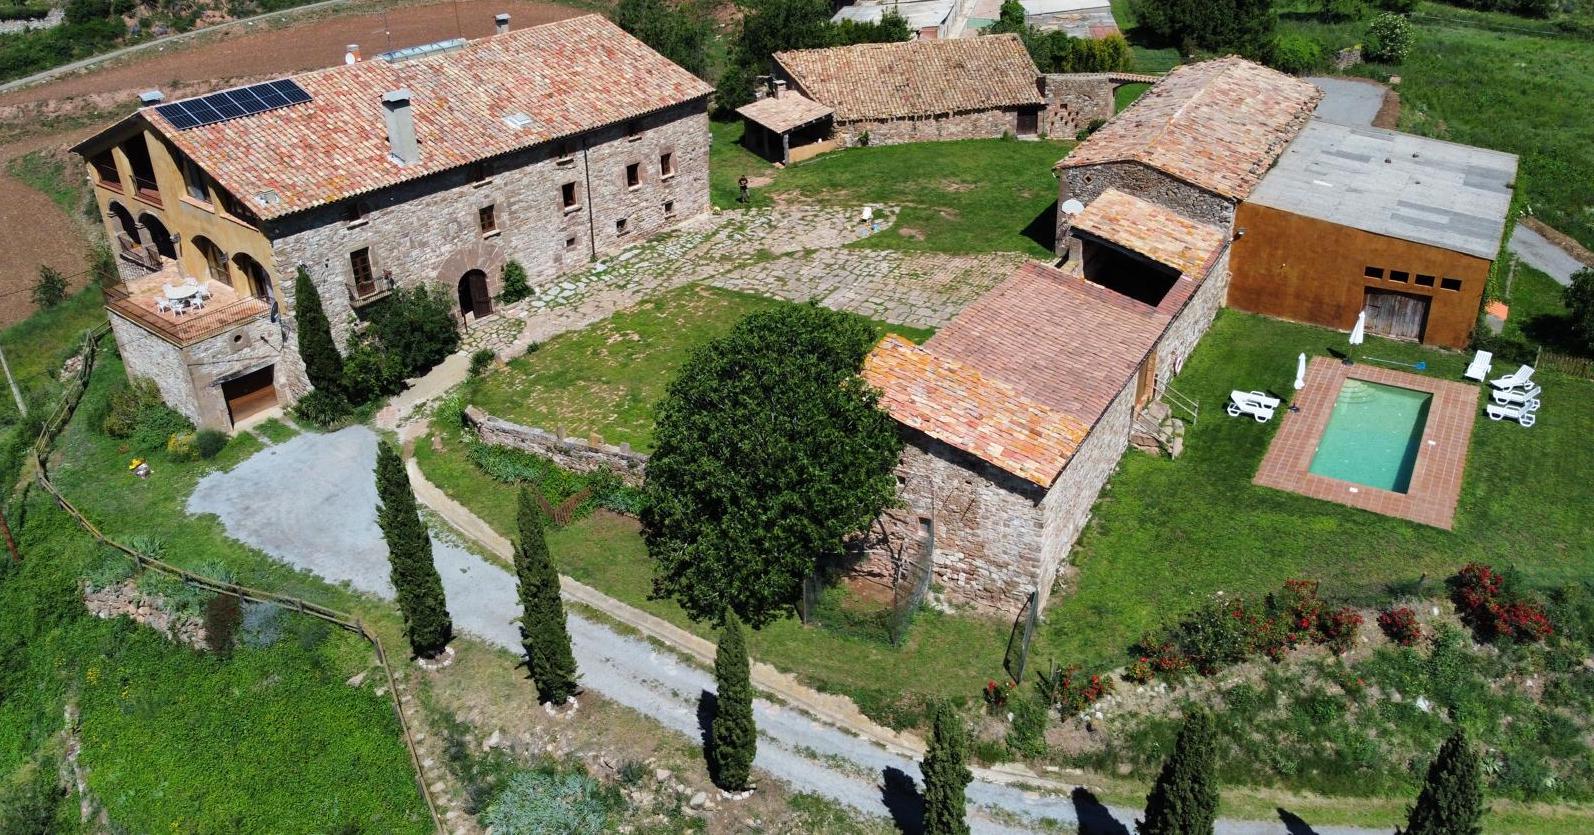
column 183, row 215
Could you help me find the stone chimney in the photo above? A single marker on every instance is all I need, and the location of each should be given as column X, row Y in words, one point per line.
column 351, row 54
column 150, row 97
column 405, row 150
column 501, row 22
column 780, row 88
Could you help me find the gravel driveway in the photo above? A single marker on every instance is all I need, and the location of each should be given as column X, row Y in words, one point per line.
column 310, row 502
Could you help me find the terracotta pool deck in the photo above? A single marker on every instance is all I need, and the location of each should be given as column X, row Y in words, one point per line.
column 1441, row 461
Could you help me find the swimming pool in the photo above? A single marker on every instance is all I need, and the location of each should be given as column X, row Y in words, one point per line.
column 1373, row 435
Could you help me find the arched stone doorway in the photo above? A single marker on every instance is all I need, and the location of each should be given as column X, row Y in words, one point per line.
column 125, row 223
column 259, row 280
column 215, row 259
column 474, row 302
column 156, row 235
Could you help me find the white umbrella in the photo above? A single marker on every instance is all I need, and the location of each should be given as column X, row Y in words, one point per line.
column 1358, row 333
column 1300, row 372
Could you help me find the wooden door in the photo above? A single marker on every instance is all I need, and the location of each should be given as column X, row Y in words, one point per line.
column 1146, row 385
column 250, row 394
column 483, row 303
column 1396, row 315
column 1028, row 122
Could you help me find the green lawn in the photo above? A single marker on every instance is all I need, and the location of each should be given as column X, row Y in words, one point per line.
column 606, row 378
column 1168, row 535
column 1496, row 81
column 176, row 740
column 1148, row 57
column 36, row 346
column 729, row 161
column 1127, row 94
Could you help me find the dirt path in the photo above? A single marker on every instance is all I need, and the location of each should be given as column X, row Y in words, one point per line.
column 41, row 233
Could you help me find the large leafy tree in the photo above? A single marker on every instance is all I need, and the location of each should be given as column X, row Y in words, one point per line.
column 733, row 738
column 409, row 551
column 770, row 451
column 1579, row 299
column 680, row 33
column 1242, row 26
column 771, row 26
column 1184, row 800
column 1451, row 801
column 542, row 621
column 322, row 362
column 946, row 775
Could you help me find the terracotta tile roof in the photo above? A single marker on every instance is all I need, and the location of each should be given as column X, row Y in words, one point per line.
column 1161, row 234
column 791, row 110
column 1217, row 124
column 954, row 403
column 916, row 78
column 1056, row 338
column 569, row 76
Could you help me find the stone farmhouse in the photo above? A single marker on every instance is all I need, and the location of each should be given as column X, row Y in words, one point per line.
column 434, row 165
column 916, row 91
column 1017, row 412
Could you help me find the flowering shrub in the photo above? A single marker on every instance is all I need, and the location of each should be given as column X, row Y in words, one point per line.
column 1337, row 629
column 1401, row 625
column 1072, row 692
column 1493, row 610
column 996, row 696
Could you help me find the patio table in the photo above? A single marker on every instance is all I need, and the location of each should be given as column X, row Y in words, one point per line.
column 181, row 292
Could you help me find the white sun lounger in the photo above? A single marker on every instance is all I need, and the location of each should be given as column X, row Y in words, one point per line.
column 1254, row 403
column 1520, row 414
column 1528, row 397
column 1479, row 368
column 1516, row 379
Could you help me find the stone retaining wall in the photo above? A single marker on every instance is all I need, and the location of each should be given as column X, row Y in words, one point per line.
column 582, row 455
column 125, row 600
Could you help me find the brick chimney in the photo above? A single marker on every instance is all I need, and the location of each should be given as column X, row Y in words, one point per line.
column 404, row 148
column 501, row 22
column 351, row 54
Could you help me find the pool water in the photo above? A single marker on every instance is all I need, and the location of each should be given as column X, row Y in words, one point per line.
column 1373, row 435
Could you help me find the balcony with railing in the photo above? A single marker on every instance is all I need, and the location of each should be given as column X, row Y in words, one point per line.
column 145, row 302
column 145, row 189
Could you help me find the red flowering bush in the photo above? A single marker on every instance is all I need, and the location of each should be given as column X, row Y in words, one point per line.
column 1072, row 692
column 1298, row 606
column 1493, row 610
column 1139, row 670
column 1401, row 625
column 996, row 696
column 1337, row 629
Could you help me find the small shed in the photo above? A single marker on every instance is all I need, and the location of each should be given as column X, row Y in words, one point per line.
column 787, row 127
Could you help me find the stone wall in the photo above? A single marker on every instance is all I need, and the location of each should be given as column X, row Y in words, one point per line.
column 972, row 124
column 1085, row 183
column 580, row 455
column 427, row 231
column 125, row 600
column 1182, row 335
column 987, row 525
column 1073, row 100
column 1073, row 495
column 146, row 355
column 233, row 353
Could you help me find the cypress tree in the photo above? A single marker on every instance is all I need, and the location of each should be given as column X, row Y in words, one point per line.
column 946, row 774
column 409, row 552
column 733, row 738
column 1451, row 802
column 322, row 362
column 1185, row 800
column 542, row 620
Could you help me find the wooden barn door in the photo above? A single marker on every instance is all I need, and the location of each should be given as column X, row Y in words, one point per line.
column 1396, row 315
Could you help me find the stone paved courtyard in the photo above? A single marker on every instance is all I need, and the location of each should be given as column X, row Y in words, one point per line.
column 797, row 253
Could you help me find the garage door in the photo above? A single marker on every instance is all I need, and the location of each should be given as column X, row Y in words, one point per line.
column 250, row 394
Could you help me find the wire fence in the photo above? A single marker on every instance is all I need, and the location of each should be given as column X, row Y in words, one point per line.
column 41, row 453
column 824, row 604
column 1018, row 641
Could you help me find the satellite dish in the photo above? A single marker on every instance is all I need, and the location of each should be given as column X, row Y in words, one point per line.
column 1072, row 206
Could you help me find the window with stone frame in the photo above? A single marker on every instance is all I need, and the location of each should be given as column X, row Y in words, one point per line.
column 487, row 218
column 356, row 211
column 634, row 129
column 666, row 165
column 567, row 197
column 565, row 154
column 633, row 175
column 360, row 267
column 669, row 208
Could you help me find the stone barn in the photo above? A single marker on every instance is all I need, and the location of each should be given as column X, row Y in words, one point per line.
column 967, row 88
column 1015, row 414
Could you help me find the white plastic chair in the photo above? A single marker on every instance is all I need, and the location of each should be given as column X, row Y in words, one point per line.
column 1528, row 397
column 1520, row 414
column 162, row 305
column 1479, row 369
column 1254, row 403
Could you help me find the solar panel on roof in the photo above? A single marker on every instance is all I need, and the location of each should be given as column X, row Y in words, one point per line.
column 233, row 104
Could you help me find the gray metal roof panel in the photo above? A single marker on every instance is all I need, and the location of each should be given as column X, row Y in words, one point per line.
column 1395, row 184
